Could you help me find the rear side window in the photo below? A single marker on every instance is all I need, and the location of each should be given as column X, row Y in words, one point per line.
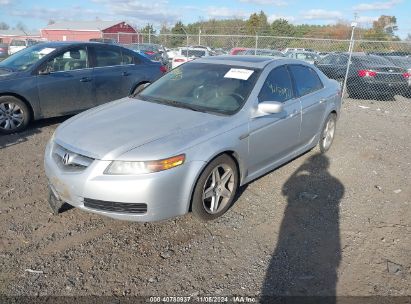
column 129, row 58
column 277, row 86
column 107, row 57
column 306, row 79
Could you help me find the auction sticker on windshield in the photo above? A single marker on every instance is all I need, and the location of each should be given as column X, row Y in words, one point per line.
column 242, row 74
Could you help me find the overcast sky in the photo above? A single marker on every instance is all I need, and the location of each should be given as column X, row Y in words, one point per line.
column 35, row 14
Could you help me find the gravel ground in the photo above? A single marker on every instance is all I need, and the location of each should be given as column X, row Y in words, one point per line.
column 334, row 224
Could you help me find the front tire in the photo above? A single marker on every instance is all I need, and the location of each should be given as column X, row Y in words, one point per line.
column 14, row 115
column 215, row 189
column 328, row 133
column 139, row 88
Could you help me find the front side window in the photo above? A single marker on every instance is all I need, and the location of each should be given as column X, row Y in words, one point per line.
column 277, row 86
column 107, row 57
column 306, row 79
column 215, row 88
column 74, row 59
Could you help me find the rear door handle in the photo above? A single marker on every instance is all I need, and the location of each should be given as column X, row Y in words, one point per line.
column 322, row 100
column 85, row 79
column 126, row 74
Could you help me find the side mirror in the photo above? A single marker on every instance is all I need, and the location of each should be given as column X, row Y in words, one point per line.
column 269, row 107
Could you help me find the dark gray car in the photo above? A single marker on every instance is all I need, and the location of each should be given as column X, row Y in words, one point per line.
column 61, row 78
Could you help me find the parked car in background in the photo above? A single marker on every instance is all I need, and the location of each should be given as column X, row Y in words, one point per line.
column 287, row 50
column 188, row 141
column 405, row 63
column 153, row 51
column 309, row 57
column 261, row 52
column 188, row 54
column 236, row 50
column 20, row 44
column 323, row 54
column 104, row 40
column 61, row 78
column 4, row 50
column 369, row 75
column 171, row 53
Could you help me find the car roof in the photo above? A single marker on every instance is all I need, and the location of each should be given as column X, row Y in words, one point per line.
column 59, row 44
column 246, row 61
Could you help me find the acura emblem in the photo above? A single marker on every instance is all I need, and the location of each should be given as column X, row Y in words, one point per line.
column 66, row 159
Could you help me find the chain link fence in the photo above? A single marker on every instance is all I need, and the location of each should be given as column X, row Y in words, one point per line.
column 368, row 71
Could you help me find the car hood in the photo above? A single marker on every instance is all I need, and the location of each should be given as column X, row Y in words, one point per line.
column 7, row 74
column 113, row 129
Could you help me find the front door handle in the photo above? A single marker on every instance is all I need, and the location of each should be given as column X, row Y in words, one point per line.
column 85, row 79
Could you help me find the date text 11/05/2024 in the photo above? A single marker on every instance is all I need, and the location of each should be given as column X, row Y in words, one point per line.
column 203, row 299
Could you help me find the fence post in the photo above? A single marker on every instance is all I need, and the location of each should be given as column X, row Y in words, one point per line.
column 118, row 37
column 199, row 36
column 256, row 43
column 350, row 50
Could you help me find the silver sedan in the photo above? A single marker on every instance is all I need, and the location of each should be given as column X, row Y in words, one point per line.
column 189, row 140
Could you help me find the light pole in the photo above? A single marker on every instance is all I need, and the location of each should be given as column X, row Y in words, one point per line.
column 350, row 49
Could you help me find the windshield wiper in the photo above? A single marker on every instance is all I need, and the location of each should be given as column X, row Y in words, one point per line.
column 184, row 105
column 172, row 103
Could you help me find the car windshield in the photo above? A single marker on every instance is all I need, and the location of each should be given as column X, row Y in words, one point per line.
column 215, row 88
column 193, row 53
column 24, row 59
column 307, row 56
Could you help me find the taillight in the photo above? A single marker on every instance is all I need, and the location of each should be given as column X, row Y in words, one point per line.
column 163, row 69
column 2, row 49
column 149, row 53
column 366, row 73
column 179, row 60
column 406, row 75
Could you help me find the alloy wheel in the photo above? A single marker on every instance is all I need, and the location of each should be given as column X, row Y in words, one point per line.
column 218, row 189
column 328, row 134
column 11, row 116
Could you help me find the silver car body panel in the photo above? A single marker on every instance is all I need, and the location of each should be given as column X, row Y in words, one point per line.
column 135, row 130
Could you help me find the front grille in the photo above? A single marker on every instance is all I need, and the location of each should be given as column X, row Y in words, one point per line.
column 70, row 161
column 115, row 206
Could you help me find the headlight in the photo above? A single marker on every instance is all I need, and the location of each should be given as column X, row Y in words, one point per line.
column 118, row 167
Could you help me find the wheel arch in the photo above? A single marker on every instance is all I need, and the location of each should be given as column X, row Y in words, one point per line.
column 33, row 114
column 232, row 154
column 137, row 84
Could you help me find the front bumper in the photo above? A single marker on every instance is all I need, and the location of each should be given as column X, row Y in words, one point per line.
column 166, row 193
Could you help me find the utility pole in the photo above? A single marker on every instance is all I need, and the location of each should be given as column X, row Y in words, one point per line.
column 199, row 36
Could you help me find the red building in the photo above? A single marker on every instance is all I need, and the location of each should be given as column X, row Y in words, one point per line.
column 86, row 30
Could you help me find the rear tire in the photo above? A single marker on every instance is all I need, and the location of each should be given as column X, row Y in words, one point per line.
column 216, row 188
column 14, row 115
column 328, row 133
column 139, row 88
